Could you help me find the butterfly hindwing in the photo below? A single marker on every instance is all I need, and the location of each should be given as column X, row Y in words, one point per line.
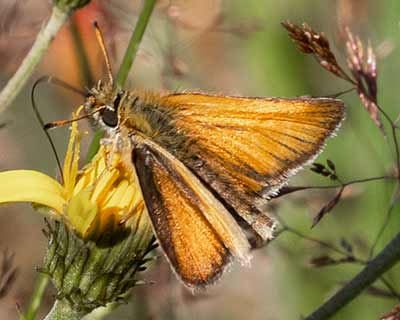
column 197, row 234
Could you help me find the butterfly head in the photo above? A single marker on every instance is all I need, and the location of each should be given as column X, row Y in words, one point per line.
column 102, row 104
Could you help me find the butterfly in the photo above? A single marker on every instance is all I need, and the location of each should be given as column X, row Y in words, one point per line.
column 206, row 165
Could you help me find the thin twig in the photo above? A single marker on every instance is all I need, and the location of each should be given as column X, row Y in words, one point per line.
column 395, row 141
column 324, row 244
column 388, row 215
column 348, row 183
column 291, row 189
column 345, row 254
column 385, row 260
column 286, row 227
column 392, row 289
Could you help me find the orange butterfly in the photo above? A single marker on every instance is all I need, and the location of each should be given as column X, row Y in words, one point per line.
column 207, row 163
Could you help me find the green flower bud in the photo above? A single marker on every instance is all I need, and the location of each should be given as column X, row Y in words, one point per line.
column 89, row 274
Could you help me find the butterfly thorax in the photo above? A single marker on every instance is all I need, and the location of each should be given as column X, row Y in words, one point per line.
column 130, row 113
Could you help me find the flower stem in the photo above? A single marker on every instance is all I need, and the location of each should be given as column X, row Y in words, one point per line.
column 42, row 43
column 386, row 259
column 63, row 310
column 134, row 42
column 37, row 295
column 85, row 70
column 94, row 145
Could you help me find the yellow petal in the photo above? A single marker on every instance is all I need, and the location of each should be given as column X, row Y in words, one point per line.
column 70, row 168
column 82, row 214
column 31, row 186
column 104, row 184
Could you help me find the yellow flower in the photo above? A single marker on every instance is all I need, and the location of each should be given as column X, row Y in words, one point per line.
column 103, row 238
column 96, row 200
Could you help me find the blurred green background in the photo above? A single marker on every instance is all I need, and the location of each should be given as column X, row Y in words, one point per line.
column 229, row 47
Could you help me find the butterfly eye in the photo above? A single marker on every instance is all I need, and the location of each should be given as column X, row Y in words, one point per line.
column 110, row 117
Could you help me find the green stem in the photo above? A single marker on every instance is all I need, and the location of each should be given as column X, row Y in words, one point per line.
column 63, row 310
column 94, row 145
column 127, row 62
column 134, row 42
column 81, row 54
column 37, row 295
column 42, row 43
column 386, row 259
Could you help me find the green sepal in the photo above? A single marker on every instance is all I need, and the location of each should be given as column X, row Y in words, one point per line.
column 91, row 274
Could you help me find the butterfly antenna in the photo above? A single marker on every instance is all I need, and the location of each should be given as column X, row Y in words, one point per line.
column 60, row 123
column 100, row 40
column 39, row 117
column 45, row 127
column 61, row 83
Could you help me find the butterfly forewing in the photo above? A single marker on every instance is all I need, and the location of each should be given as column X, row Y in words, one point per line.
column 244, row 148
column 195, row 231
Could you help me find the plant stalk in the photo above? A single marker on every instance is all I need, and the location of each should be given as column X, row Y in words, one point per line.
column 37, row 295
column 42, row 43
column 134, row 42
